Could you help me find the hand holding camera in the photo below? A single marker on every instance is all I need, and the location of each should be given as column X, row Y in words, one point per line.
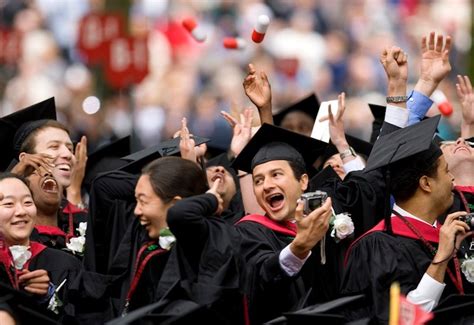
column 313, row 200
column 313, row 226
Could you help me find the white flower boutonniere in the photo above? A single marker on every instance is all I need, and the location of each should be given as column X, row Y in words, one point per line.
column 82, row 229
column 467, row 268
column 166, row 239
column 342, row 226
column 20, row 254
column 76, row 244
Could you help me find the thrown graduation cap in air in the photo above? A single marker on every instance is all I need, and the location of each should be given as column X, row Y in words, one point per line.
column 14, row 128
column 275, row 143
column 404, row 148
column 137, row 160
column 308, row 105
column 106, row 158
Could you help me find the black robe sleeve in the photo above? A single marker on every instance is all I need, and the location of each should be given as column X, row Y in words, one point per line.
column 206, row 258
column 111, row 207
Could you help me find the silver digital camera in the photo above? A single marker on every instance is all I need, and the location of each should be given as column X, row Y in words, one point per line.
column 313, row 200
column 469, row 219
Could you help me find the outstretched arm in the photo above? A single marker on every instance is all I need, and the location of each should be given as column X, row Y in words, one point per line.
column 466, row 97
column 78, row 172
column 241, row 136
column 258, row 90
column 434, row 68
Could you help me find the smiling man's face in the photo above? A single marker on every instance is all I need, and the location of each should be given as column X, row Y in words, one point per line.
column 277, row 189
column 57, row 143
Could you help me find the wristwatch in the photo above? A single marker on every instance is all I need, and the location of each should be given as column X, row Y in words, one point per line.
column 348, row 152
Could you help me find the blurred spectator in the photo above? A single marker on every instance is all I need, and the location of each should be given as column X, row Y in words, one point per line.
column 311, row 45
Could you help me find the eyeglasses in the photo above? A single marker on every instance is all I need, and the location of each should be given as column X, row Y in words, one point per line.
column 448, row 143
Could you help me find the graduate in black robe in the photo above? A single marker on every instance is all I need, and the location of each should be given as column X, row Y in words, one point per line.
column 47, row 273
column 409, row 247
column 272, row 284
column 208, row 251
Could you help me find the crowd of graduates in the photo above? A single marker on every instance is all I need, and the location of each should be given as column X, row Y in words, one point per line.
column 176, row 233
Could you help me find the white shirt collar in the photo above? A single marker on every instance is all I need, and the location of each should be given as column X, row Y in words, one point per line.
column 409, row 215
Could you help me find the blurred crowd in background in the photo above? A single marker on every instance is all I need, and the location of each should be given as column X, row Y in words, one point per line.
column 310, row 46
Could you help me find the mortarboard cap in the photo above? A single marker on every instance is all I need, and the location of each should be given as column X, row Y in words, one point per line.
column 176, row 311
column 137, row 160
column 275, row 143
column 378, row 111
column 455, row 309
column 171, row 147
column 308, row 105
column 320, row 178
column 11, row 124
column 337, row 311
column 106, row 158
column 412, row 140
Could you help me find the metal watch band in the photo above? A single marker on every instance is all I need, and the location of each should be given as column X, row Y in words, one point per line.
column 397, row 99
column 348, row 152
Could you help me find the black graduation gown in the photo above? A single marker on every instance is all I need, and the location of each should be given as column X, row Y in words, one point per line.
column 112, row 202
column 207, row 259
column 377, row 260
column 60, row 266
column 270, row 290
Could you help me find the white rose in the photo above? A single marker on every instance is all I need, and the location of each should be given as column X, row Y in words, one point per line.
column 82, row 228
column 166, row 241
column 76, row 244
column 20, row 255
column 467, row 268
column 343, row 226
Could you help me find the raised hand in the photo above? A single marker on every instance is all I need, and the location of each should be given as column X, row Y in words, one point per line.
column 30, row 162
column 395, row 63
column 310, row 228
column 242, row 131
column 257, row 87
column 78, row 172
column 336, row 124
column 213, row 191
column 466, row 97
column 434, row 62
column 435, row 57
column 186, row 144
column 258, row 90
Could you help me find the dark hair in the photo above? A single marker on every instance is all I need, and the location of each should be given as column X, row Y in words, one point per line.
column 7, row 175
column 174, row 176
column 298, row 169
column 406, row 174
column 29, row 143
